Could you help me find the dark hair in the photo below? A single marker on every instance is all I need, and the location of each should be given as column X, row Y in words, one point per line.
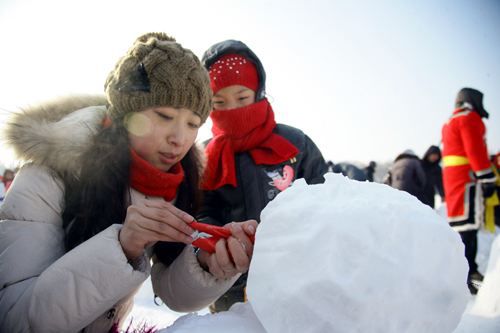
column 432, row 150
column 189, row 199
column 97, row 197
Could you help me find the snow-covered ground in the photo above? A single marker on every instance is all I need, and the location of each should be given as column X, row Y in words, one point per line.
column 483, row 311
column 371, row 213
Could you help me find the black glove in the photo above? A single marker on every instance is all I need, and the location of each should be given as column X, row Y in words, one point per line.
column 488, row 189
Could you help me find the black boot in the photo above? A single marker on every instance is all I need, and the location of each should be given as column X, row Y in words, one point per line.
column 474, row 282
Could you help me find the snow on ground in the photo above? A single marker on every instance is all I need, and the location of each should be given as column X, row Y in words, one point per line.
column 425, row 270
column 146, row 311
column 239, row 319
column 483, row 313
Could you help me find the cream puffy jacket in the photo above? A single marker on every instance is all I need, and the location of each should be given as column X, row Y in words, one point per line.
column 44, row 289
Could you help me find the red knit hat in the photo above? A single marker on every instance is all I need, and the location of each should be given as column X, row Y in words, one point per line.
column 231, row 69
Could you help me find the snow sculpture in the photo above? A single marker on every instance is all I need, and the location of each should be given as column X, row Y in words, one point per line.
column 349, row 256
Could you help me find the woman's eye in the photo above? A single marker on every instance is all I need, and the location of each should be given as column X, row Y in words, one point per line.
column 164, row 116
column 243, row 98
column 194, row 125
column 218, row 102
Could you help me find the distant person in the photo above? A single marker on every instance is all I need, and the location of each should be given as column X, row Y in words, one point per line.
column 493, row 202
column 350, row 171
column 407, row 174
column 329, row 166
column 370, row 170
column 433, row 175
column 468, row 176
column 497, row 208
column 8, row 177
column 6, row 181
column 250, row 158
column 496, row 160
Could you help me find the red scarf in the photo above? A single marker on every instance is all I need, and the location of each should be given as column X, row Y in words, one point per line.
column 247, row 129
column 152, row 181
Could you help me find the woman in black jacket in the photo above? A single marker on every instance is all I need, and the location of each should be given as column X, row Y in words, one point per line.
column 433, row 175
column 250, row 158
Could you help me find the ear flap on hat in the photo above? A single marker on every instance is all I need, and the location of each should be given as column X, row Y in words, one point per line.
column 137, row 80
column 471, row 98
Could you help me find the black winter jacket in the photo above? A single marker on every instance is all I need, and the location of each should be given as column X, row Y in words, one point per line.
column 433, row 176
column 255, row 183
column 406, row 174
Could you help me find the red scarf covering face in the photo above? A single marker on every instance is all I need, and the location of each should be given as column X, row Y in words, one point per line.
column 247, row 129
column 147, row 179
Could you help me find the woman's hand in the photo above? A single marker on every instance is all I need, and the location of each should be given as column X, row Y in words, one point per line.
column 232, row 255
column 150, row 221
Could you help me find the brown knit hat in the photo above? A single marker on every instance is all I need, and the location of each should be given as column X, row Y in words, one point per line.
column 158, row 71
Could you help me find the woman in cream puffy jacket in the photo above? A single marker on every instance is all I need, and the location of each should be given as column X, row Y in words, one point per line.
column 108, row 184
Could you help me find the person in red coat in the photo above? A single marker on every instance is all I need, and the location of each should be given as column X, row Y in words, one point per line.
column 468, row 177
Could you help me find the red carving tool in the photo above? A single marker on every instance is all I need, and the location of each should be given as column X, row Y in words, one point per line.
column 207, row 235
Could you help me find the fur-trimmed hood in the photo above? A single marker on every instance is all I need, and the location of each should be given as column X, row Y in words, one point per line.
column 56, row 133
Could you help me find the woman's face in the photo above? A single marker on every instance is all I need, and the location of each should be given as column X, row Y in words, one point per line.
column 233, row 97
column 433, row 157
column 163, row 135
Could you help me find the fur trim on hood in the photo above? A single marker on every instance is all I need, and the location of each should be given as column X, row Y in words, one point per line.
column 56, row 133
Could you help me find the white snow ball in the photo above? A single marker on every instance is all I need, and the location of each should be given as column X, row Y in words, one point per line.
column 349, row 256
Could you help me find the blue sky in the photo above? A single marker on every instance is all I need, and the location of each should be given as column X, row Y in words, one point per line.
column 365, row 80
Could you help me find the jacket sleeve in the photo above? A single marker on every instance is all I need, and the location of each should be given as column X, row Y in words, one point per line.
column 184, row 286
column 313, row 165
column 44, row 289
column 472, row 132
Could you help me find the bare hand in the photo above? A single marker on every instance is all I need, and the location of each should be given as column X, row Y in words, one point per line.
column 150, row 221
column 231, row 256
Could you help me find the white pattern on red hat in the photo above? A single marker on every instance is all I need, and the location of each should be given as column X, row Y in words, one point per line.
column 233, row 69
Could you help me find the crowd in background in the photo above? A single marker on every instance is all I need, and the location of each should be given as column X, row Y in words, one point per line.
column 462, row 175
